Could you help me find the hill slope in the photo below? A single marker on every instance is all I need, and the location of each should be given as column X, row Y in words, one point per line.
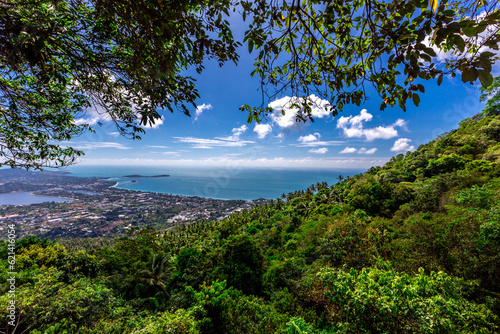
column 410, row 247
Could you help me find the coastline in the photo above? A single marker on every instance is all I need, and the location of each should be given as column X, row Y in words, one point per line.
column 68, row 198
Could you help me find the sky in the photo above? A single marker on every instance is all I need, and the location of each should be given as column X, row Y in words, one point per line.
column 218, row 135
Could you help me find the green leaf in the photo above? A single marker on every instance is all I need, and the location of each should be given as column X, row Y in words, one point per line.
column 416, row 99
column 469, row 31
column 459, row 42
column 469, row 74
column 250, row 45
column 440, row 79
column 485, row 77
column 486, row 54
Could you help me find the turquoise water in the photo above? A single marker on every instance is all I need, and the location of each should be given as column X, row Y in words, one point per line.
column 223, row 183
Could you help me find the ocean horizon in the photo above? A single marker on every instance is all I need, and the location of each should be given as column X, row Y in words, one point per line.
column 218, row 183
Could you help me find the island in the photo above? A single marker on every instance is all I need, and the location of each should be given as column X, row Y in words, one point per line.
column 135, row 176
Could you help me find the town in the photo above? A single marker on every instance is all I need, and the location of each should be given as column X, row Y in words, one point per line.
column 96, row 209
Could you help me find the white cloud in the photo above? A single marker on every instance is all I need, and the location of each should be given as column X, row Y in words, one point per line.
column 353, row 127
column 319, row 143
column 477, row 43
column 401, row 123
column 239, row 131
column 367, row 151
column 402, row 145
column 380, row 132
column 114, row 134
column 93, row 115
column 362, row 150
column 87, row 145
column 322, row 150
column 312, row 140
column 309, row 138
column 348, row 149
column 285, row 110
column 201, row 109
column 154, row 125
column 156, row 146
column 262, row 130
column 231, row 141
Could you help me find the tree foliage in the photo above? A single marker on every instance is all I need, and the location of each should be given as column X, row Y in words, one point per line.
column 491, row 95
column 122, row 59
column 126, row 60
column 335, row 49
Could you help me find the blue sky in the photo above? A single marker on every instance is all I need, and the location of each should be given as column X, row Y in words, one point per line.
column 218, row 134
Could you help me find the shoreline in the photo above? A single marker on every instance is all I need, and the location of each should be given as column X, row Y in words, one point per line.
column 68, row 198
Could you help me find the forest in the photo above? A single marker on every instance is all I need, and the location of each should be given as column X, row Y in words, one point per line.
column 409, row 247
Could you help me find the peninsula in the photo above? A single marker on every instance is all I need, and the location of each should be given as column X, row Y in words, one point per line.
column 135, row 176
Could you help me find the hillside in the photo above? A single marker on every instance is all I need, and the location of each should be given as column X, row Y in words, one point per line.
column 410, row 247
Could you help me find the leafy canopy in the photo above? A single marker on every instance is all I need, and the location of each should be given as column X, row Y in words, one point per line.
column 336, row 48
column 122, row 58
column 491, row 95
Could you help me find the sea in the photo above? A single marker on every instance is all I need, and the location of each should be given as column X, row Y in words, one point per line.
column 221, row 183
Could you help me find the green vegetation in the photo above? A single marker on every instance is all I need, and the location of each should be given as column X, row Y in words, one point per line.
column 413, row 247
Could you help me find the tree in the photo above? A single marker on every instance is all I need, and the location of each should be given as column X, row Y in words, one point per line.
column 158, row 274
column 335, row 48
column 491, row 95
column 126, row 59
column 122, row 58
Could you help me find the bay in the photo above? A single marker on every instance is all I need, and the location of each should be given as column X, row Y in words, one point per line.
column 23, row 198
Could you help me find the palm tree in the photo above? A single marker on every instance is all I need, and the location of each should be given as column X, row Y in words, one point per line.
column 158, row 274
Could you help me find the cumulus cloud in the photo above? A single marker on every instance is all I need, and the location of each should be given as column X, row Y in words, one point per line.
column 239, row 131
column 285, row 110
column 477, row 43
column 367, row 151
column 353, row 127
column 154, row 125
column 97, row 114
column 262, row 130
column 309, row 138
column 201, row 109
column 322, row 150
column 93, row 115
column 348, row 149
column 312, row 140
column 402, row 145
